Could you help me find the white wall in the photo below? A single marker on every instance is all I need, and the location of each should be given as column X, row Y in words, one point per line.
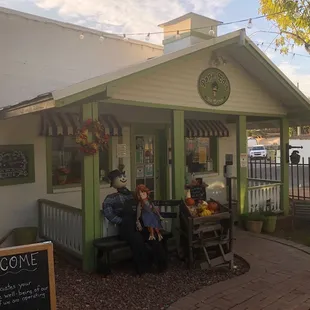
column 19, row 202
column 38, row 57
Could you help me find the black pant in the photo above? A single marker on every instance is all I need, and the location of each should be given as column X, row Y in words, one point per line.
column 145, row 252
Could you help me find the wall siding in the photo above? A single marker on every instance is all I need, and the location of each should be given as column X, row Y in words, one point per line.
column 38, row 57
column 175, row 83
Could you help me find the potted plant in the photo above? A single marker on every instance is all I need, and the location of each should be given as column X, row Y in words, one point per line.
column 255, row 222
column 270, row 222
column 62, row 174
column 243, row 220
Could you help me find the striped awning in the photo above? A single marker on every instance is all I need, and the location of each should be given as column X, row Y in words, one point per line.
column 205, row 128
column 67, row 123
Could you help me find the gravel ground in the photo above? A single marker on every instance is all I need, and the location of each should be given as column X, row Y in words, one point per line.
column 122, row 290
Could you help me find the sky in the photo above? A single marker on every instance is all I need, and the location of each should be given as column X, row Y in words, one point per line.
column 136, row 16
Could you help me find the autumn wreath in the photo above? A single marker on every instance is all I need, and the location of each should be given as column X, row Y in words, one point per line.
column 99, row 137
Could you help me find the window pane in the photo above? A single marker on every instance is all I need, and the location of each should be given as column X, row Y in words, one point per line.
column 198, row 156
column 67, row 161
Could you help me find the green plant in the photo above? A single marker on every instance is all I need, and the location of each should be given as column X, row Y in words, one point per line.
column 269, row 213
column 256, row 216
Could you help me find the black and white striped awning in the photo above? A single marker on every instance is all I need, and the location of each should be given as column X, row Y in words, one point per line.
column 66, row 124
column 205, row 128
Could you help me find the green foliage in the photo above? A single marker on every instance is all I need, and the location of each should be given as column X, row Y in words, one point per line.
column 256, row 216
column 293, row 22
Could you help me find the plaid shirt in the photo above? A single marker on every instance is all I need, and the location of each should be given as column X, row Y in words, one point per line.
column 114, row 203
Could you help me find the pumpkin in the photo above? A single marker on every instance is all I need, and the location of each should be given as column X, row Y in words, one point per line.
column 213, row 206
column 190, row 201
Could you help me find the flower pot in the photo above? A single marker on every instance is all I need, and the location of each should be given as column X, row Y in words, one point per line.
column 254, row 226
column 25, row 235
column 62, row 179
column 270, row 223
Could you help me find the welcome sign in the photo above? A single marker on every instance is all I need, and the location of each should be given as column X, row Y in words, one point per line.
column 27, row 279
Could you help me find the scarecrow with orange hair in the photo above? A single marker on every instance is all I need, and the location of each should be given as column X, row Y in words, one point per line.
column 148, row 213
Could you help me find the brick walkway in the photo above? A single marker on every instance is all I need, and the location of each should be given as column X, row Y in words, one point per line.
column 279, row 279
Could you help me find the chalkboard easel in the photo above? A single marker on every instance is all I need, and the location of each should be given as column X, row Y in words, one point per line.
column 27, row 277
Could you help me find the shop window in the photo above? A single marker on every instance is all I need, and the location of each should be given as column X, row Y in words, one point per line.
column 201, row 155
column 67, row 162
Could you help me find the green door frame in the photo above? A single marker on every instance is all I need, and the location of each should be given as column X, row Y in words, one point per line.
column 284, row 140
column 159, row 131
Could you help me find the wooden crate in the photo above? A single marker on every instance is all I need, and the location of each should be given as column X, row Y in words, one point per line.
column 210, row 235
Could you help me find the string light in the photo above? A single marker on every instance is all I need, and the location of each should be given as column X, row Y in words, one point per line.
column 261, row 44
column 250, row 24
column 147, row 38
column 81, row 36
column 211, row 32
column 249, row 20
column 178, row 36
column 101, row 38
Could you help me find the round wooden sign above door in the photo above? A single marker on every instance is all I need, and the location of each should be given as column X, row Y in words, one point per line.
column 213, row 86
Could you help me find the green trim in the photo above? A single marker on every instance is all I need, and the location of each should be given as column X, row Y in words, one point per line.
column 242, row 172
column 162, row 155
column 208, row 109
column 49, row 164
column 90, row 196
column 178, row 164
column 85, row 94
column 284, row 139
column 214, row 153
column 28, row 149
column 178, row 156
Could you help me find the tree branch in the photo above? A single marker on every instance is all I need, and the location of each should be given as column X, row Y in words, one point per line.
column 294, row 35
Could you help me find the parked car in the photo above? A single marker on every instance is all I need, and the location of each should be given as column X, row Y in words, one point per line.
column 257, row 152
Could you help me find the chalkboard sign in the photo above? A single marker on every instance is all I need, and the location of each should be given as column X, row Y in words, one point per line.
column 16, row 164
column 27, row 279
column 198, row 192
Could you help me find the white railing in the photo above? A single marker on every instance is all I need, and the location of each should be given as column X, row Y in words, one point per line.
column 62, row 225
column 264, row 195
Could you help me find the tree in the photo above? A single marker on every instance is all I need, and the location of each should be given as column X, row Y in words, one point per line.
column 292, row 17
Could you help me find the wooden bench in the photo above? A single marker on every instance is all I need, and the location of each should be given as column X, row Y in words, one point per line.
column 111, row 241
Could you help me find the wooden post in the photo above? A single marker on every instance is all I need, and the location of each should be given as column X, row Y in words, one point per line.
column 91, row 216
column 242, row 172
column 178, row 165
column 178, row 155
column 284, row 140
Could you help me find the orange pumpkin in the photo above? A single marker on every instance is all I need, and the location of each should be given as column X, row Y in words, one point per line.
column 213, row 206
column 190, row 201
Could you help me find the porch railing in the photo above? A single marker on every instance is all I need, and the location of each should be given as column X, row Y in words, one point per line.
column 262, row 194
column 62, row 225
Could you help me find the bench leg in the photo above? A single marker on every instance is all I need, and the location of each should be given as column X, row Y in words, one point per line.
column 103, row 266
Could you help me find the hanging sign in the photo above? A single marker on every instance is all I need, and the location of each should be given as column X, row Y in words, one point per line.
column 243, row 160
column 121, row 150
column 27, row 279
column 213, row 87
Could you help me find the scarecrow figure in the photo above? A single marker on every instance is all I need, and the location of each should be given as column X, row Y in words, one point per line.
column 120, row 208
column 149, row 214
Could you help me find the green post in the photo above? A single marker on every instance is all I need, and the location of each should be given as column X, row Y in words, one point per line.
column 178, row 166
column 284, row 140
column 178, row 154
column 242, row 170
column 90, row 195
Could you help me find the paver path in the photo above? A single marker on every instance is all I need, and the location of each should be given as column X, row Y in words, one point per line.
column 279, row 278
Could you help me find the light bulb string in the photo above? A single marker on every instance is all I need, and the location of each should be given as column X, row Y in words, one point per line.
column 274, row 46
column 199, row 28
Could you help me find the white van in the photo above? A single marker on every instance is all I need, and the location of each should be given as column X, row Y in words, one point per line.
column 257, row 152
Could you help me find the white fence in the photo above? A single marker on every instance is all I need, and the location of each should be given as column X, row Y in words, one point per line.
column 62, row 225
